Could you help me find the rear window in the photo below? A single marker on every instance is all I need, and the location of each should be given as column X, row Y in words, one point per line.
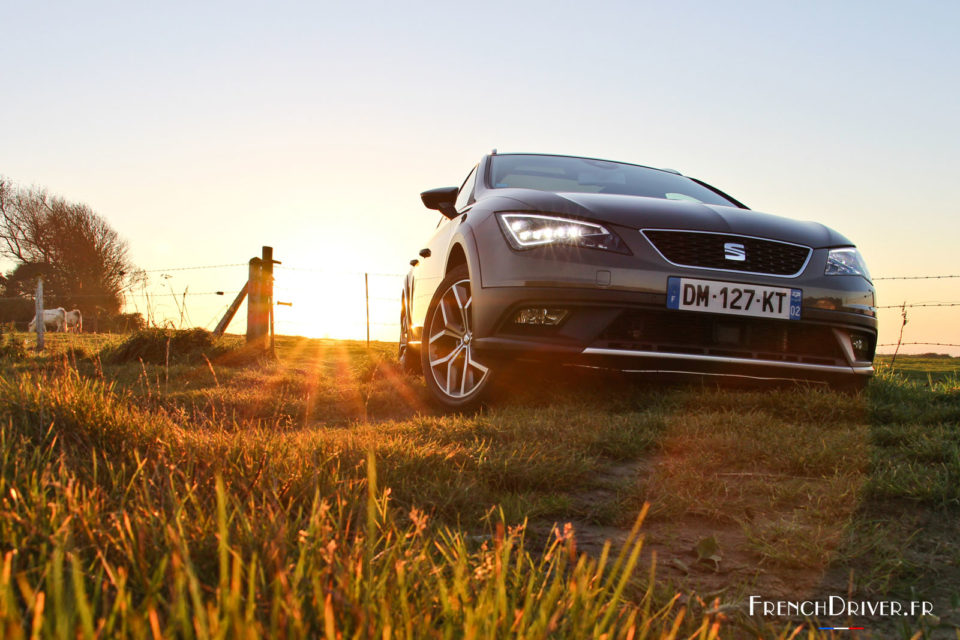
column 582, row 175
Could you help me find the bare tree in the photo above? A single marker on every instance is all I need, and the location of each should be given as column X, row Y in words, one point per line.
column 86, row 263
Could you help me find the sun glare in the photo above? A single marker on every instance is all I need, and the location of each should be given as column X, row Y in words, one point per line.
column 319, row 304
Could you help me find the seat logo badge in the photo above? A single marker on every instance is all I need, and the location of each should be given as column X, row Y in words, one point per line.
column 734, row 251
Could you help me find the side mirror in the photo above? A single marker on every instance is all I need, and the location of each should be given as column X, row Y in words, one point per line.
column 441, row 199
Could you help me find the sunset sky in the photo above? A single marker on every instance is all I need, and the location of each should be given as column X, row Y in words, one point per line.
column 202, row 131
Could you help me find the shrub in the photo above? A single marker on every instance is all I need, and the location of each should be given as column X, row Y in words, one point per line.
column 159, row 346
column 103, row 322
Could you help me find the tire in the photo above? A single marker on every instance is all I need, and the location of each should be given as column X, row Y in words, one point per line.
column 454, row 377
column 408, row 356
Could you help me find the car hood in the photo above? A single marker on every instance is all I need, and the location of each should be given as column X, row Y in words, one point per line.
column 656, row 213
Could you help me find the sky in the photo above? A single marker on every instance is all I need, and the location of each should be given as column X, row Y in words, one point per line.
column 202, row 131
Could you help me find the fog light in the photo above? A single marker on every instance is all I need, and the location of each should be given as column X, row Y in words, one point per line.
column 861, row 346
column 540, row 317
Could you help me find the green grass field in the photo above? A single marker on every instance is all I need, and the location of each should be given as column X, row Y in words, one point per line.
column 184, row 488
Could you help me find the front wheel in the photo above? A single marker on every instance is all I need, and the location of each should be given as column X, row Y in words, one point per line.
column 454, row 375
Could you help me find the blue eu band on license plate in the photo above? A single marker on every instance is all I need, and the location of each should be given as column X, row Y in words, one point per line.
column 733, row 298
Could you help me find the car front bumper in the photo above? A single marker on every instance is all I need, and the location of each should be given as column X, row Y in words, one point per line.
column 634, row 331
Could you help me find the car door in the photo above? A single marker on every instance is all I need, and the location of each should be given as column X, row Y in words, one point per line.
column 433, row 257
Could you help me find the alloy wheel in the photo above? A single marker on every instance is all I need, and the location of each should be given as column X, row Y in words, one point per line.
column 450, row 349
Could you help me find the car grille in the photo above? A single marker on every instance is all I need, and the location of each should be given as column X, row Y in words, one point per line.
column 703, row 334
column 706, row 251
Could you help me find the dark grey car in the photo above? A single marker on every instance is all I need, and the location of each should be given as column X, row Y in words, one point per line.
column 607, row 264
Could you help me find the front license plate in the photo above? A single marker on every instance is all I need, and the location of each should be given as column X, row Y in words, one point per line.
column 734, row 298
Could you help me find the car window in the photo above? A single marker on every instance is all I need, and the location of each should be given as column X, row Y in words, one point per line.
column 583, row 175
column 680, row 196
column 465, row 195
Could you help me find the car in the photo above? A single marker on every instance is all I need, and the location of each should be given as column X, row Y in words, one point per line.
column 586, row 262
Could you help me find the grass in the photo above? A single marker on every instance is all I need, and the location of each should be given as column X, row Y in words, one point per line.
column 929, row 368
column 205, row 494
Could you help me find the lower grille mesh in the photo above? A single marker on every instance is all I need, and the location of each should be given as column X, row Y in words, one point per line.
column 751, row 338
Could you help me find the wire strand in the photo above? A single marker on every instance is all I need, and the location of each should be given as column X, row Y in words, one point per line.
column 287, row 267
column 205, row 266
column 918, row 277
column 937, row 344
column 131, row 294
column 920, row 304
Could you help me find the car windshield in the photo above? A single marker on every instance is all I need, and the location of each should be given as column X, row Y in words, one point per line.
column 582, row 175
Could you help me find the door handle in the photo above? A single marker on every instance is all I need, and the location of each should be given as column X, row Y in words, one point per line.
column 424, row 253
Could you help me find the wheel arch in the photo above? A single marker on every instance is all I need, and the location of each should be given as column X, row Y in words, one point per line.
column 456, row 257
column 464, row 251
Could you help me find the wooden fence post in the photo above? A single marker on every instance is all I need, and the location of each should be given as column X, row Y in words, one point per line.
column 259, row 293
column 366, row 292
column 266, row 292
column 254, row 301
column 231, row 311
column 39, row 317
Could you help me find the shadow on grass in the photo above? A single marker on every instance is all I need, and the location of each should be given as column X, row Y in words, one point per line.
column 796, row 485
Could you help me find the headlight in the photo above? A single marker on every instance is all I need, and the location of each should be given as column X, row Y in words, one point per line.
column 846, row 262
column 528, row 230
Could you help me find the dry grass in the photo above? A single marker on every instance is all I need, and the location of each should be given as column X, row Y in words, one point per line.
column 192, row 497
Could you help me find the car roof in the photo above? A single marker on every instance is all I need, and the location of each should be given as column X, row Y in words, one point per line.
column 562, row 155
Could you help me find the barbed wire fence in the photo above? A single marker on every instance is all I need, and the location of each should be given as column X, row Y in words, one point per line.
column 353, row 304
column 904, row 306
column 309, row 301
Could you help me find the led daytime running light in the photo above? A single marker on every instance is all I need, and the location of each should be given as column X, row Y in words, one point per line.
column 528, row 230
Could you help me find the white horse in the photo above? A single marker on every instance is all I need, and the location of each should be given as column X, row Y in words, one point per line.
column 54, row 319
column 74, row 321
